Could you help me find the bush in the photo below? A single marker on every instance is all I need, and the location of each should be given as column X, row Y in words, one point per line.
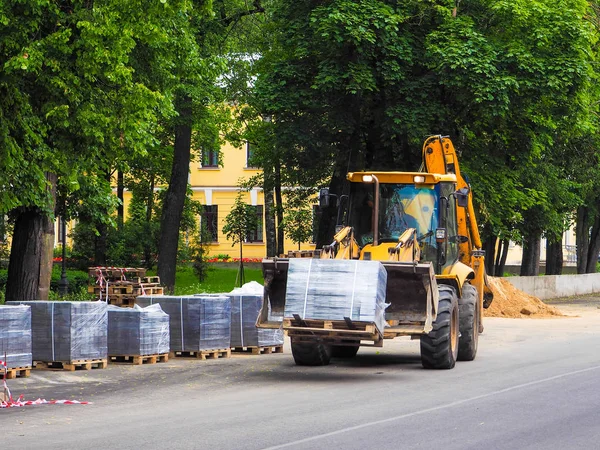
column 78, row 279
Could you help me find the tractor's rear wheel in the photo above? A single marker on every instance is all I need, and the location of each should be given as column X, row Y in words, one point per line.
column 311, row 353
column 439, row 348
column 468, row 313
column 344, row 351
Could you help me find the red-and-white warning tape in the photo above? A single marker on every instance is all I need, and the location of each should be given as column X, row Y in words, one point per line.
column 9, row 402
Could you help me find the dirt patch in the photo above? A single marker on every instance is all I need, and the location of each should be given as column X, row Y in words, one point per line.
column 514, row 303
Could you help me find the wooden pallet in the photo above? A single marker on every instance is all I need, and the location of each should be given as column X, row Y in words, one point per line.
column 300, row 254
column 203, row 354
column 14, row 372
column 113, row 289
column 333, row 331
column 259, row 350
column 138, row 360
column 84, row 364
column 149, row 290
column 126, row 300
column 117, row 273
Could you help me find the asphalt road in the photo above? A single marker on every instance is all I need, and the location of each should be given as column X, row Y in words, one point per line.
column 535, row 384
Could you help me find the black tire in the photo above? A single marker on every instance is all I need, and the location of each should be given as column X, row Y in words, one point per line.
column 311, row 353
column 344, row 351
column 439, row 348
column 468, row 313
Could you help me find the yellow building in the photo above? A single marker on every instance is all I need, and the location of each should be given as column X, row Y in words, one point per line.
column 215, row 186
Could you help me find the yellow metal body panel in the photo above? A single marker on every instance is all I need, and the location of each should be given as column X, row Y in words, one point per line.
column 402, row 177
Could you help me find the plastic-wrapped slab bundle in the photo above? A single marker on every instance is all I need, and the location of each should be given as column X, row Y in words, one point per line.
column 68, row 331
column 197, row 322
column 246, row 303
column 15, row 335
column 137, row 331
column 330, row 289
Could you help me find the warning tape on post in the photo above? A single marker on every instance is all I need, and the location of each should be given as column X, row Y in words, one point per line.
column 7, row 400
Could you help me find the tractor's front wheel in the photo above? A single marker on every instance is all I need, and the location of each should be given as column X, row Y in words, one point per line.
column 311, row 353
column 439, row 348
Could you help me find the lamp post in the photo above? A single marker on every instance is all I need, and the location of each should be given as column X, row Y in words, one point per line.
column 63, row 283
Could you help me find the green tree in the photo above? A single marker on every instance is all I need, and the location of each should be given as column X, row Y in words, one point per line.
column 240, row 221
column 70, row 105
column 298, row 225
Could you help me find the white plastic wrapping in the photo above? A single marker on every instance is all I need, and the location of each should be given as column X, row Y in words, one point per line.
column 15, row 335
column 246, row 303
column 68, row 331
column 137, row 331
column 197, row 322
column 332, row 289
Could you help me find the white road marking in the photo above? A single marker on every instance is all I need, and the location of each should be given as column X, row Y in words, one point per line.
column 435, row 408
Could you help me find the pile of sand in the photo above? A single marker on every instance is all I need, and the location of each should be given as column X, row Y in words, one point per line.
column 511, row 302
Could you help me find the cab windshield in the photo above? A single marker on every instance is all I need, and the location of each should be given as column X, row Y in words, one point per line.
column 401, row 206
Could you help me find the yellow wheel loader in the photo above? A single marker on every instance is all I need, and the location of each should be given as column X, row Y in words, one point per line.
column 421, row 226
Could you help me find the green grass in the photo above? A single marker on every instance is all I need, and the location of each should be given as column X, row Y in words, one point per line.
column 219, row 279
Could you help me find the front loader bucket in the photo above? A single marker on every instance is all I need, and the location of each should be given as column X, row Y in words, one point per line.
column 275, row 275
column 412, row 296
column 411, row 292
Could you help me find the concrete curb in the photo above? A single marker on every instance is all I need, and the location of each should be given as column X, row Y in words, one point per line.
column 555, row 286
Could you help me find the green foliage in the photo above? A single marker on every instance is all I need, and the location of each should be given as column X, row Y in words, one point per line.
column 239, row 222
column 78, row 282
column 218, row 280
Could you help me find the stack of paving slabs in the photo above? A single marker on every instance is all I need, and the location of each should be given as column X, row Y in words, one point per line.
column 246, row 303
column 137, row 331
column 120, row 286
column 197, row 322
column 15, row 336
column 330, row 289
column 68, row 331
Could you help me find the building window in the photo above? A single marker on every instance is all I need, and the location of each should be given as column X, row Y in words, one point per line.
column 256, row 235
column 209, row 222
column 210, row 158
column 249, row 155
column 316, row 218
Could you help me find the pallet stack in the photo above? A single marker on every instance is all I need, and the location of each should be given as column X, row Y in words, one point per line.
column 120, row 286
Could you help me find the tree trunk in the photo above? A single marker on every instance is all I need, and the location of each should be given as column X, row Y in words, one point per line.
column 30, row 263
column 582, row 238
column 594, row 247
column 279, row 210
column 501, row 260
column 100, row 244
column 120, row 208
column 489, row 245
column 530, row 265
column 270, row 227
column 175, row 196
column 149, row 207
column 101, row 240
column 554, row 257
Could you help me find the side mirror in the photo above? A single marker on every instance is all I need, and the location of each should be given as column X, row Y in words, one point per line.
column 462, row 197
column 324, row 198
